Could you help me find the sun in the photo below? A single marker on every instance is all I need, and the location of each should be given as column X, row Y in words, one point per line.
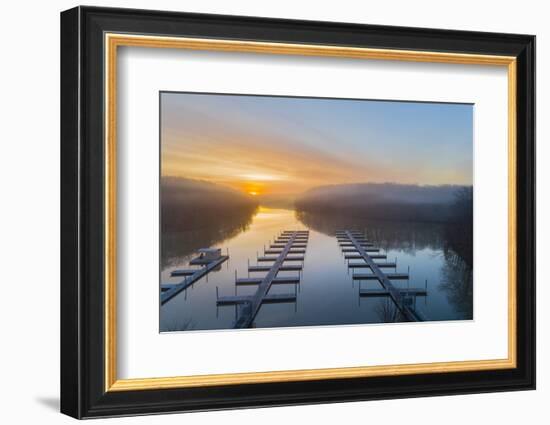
column 253, row 188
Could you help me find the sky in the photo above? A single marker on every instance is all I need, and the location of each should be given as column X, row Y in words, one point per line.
column 265, row 145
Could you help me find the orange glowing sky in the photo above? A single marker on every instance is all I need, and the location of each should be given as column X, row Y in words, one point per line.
column 275, row 145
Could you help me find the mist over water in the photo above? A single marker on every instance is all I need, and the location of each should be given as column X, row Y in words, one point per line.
column 327, row 294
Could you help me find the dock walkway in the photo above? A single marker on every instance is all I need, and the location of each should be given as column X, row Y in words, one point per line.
column 169, row 291
column 355, row 242
column 284, row 245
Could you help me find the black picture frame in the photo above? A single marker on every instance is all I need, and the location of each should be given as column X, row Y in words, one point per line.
column 83, row 392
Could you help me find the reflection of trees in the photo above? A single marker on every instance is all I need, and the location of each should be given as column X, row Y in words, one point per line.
column 387, row 312
column 457, row 282
column 459, row 246
column 405, row 236
column 459, row 230
column 210, row 229
column 196, row 214
column 455, row 239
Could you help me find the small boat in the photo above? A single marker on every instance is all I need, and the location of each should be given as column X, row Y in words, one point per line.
column 207, row 255
column 210, row 254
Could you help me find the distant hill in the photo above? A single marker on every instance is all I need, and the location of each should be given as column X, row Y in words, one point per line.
column 387, row 201
column 191, row 204
column 178, row 187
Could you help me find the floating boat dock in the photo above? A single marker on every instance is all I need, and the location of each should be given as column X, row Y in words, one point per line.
column 257, row 280
column 169, row 291
column 384, row 293
column 355, row 242
column 288, row 242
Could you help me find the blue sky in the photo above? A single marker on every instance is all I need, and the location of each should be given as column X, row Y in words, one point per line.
column 269, row 144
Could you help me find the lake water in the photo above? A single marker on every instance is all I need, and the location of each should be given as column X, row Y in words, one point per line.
column 327, row 294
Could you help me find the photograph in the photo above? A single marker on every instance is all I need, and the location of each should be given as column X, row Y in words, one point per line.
column 284, row 211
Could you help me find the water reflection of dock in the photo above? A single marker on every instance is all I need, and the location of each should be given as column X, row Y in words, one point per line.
column 355, row 242
column 288, row 242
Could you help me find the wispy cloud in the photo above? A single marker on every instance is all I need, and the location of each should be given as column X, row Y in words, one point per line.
column 288, row 145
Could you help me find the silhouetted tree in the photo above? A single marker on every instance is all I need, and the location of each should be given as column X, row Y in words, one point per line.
column 460, row 227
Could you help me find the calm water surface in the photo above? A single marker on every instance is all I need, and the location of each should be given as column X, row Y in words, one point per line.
column 327, row 294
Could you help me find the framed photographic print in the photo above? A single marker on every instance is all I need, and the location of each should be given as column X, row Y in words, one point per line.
column 261, row 212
